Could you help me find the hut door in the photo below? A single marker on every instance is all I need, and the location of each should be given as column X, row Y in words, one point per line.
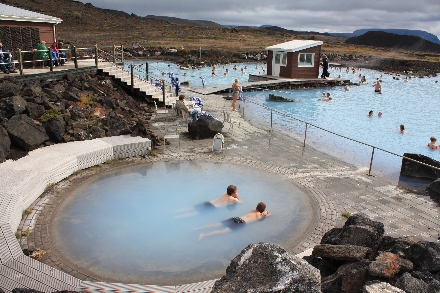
column 276, row 63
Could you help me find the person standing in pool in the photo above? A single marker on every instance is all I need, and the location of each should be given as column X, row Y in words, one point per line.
column 230, row 197
column 378, row 87
column 234, row 223
column 235, row 90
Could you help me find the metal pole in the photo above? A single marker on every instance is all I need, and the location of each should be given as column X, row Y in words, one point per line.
column 163, row 91
column 146, row 71
column 132, row 77
column 75, row 57
column 244, row 103
column 96, row 55
column 50, row 60
column 371, row 162
column 122, row 53
column 114, row 54
column 305, row 135
column 271, row 115
column 20, row 62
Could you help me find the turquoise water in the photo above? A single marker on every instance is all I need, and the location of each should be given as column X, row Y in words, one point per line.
column 125, row 226
column 414, row 103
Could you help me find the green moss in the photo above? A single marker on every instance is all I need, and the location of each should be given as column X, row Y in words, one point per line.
column 346, row 214
column 87, row 100
column 49, row 114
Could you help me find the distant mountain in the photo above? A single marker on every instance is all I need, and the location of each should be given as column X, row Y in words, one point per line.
column 388, row 40
column 405, row 32
column 180, row 21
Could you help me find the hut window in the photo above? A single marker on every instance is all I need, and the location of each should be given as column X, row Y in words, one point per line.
column 305, row 59
column 284, row 59
column 277, row 58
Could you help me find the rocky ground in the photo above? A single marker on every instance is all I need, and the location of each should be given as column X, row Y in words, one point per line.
column 45, row 113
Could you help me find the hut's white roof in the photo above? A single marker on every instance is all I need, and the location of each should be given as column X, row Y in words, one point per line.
column 8, row 12
column 295, row 45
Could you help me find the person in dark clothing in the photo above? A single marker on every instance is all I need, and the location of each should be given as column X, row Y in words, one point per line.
column 325, row 72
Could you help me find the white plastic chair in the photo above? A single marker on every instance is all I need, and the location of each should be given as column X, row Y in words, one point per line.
column 227, row 118
column 159, row 111
column 218, row 142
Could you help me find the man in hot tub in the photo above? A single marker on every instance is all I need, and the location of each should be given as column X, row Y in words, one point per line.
column 234, row 223
column 230, row 197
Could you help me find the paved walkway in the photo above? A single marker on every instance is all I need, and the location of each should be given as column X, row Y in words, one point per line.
column 334, row 186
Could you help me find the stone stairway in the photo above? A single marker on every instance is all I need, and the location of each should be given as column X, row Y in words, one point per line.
column 152, row 92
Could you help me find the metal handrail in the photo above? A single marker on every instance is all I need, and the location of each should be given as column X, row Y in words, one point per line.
column 334, row 133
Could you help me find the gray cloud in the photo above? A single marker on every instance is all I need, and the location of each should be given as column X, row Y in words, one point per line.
column 316, row 15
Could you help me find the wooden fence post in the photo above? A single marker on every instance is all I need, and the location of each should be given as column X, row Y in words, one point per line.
column 50, row 60
column 75, row 57
column 96, row 55
column 20, row 62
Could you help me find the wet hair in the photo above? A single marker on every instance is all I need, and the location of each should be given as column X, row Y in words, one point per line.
column 261, row 207
column 181, row 97
column 231, row 189
column 433, row 139
column 371, row 112
column 402, row 127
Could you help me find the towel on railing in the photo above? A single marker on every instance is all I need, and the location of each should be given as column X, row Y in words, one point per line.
column 197, row 101
column 241, row 96
column 207, row 115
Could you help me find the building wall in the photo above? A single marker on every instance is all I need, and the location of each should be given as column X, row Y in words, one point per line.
column 293, row 71
column 23, row 35
column 269, row 62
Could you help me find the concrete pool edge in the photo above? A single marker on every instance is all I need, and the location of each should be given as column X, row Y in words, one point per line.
column 45, row 219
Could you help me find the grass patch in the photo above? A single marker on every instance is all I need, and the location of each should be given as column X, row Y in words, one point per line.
column 346, row 214
column 111, row 161
column 49, row 187
column 153, row 153
column 25, row 233
column 17, row 235
column 87, row 100
column 77, row 172
column 26, row 212
column 49, row 114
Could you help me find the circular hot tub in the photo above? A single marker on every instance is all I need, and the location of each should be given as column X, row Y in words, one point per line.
column 141, row 224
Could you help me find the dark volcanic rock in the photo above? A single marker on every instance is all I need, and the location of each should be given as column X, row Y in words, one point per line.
column 409, row 284
column 15, row 105
column 8, row 89
column 78, row 113
column 24, row 133
column 34, row 110
column 388, row 264
column 341, row 252
column 398, row 246
column 55, row 128
column 268, row 268
column 205, row 127
column 349, row 278
column 414, row 169
column 116, row 125
column 426, row 256
column 326, row 266
column 31, row 90
column 434, row 189
column 358, row 230
column 433, row 287
column 5, row 144
column 97, row 132
column 69, row 96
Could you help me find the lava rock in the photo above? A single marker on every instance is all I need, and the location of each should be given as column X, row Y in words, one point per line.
column 388, row 264
column 35, row 111
column 414, row 169
column 15, row 105
column 409, row 284
column 204, row 127
column 426, row 256
column 265, row 267
column 398, row 246
column 9, row 89
column 55, row 128
column 24, row 133
column 380, row 287
column 349, row 278
column 5, row 144
column 341, row 252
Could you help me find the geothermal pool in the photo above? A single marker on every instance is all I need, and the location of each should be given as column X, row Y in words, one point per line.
column 126, row 226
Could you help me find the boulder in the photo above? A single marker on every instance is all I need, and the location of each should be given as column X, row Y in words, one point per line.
column 77, row 113
column 264, row 267
column 9, row 89
column 433, row 287
column 388, row 264
column 409, row 284
column 349, row 278
column 97, row 132
column 31, row 90
column 380, row 287
column 341, row 252
column 414, row 169
column 24, row 133
column 398, row 246
column 5, row 144
column 277, row 98
column 15, row 105
column 67, row 95
column 115, row 125
column 35, row 111
column 326, row 266
column 358, row 230
column 55, row 128
column 426, row 256
column 434, row 189
column 69, row 77
column 204, row 127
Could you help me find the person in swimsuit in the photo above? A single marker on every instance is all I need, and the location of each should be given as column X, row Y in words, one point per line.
column 235, row 90
column 234, row 223
column 402, row 129
column 230, row 197
column 378, row 87
column 432, row 144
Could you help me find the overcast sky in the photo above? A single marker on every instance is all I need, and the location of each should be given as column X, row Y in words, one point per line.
column 310, row 15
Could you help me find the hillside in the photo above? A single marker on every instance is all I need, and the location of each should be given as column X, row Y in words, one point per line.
column 387, row 40
column 404, row 32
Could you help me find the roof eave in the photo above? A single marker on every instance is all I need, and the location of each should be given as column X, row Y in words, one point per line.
column 296, row 49
column 30, row 19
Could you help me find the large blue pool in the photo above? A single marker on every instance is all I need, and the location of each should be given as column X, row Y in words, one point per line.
column 127, row 226
column 414, row 103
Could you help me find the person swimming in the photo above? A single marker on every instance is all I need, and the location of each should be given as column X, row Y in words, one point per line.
column 234, row 223
column 402, row 129
column 432, row 144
